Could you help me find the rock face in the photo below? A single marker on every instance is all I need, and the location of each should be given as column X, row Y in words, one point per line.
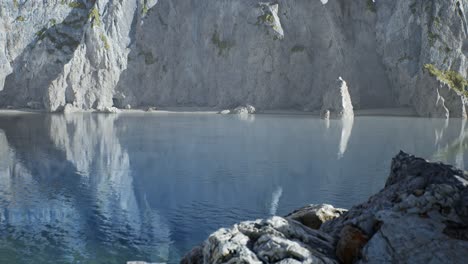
column 420, row 216
column 337, row 102
column 275, row 55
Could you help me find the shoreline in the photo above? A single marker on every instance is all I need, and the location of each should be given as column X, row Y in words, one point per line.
column 391, row 112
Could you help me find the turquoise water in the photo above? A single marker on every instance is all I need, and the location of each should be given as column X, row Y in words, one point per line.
column 95, row 188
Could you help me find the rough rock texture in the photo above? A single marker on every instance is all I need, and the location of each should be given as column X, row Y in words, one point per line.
column 274, row 240
column 283, row 54
column 337, row 102
column 314, row 215
column 421, row 216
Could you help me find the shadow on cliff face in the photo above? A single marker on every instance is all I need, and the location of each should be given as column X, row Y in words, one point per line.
column 43, row 60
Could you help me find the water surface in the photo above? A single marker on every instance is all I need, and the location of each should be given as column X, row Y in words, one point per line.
column 95, row 188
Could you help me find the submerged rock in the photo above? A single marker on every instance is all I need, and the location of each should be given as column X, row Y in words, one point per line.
column 314, row 215
column 420, row 216
column 337, row 102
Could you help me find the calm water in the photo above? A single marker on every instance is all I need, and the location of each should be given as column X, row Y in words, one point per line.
column 91, row 188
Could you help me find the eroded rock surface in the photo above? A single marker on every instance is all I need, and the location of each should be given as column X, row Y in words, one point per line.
column 421, row 216
column 274, row 240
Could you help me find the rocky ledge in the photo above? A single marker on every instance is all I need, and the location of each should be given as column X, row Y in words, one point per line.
column 420, row 216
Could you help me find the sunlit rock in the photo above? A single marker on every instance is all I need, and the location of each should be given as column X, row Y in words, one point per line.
column 315, row 215
column 337, row 102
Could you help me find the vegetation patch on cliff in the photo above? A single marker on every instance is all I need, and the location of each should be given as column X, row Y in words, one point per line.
column 20, row 19
column 95, row 17
column 77, row 4
column 223, row 45
column 452, row 78
column 297, row 48
column 105, row 42
column 371, row 6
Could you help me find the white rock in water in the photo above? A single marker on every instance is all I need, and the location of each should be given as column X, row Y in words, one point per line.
column 337, row 101
column 69, row 108
column 225, row 112
column 250, row 109
column 128, row 107
column 109, row 110
column 240, row 110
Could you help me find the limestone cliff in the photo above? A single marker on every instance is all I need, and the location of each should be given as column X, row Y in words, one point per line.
column 279, row 55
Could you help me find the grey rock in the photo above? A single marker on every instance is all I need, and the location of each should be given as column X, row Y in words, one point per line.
column 274, row 240
column 337, row 102
column 109, row 110
column 314, row 215
column 242, row 110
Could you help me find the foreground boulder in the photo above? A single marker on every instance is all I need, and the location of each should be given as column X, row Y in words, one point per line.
column 274, row 240
column 421, row 216
column 337, row 102
column 314, row 215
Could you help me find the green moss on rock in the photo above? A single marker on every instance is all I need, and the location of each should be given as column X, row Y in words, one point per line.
column 297, row 48
column 105, row 42
column 452, row 78
column 76, row 4
column 370, row 5
column 41, row 33
column 222, row 45
column 95, row 17
column 20, row 18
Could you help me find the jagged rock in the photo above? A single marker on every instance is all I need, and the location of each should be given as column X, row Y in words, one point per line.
column 314, row 215
column 242, row 110
column 421, row 216
column 274, row 240
column 337, row 102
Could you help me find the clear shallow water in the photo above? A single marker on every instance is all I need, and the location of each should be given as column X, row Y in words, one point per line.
column 90, row 188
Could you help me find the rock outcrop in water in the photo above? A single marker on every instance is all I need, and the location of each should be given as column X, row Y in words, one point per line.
column 95, row 54
column 420, row 216
column 337, row 102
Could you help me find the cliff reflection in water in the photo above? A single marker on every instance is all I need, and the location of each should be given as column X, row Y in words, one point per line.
column 111, row 188
column 67, row 191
